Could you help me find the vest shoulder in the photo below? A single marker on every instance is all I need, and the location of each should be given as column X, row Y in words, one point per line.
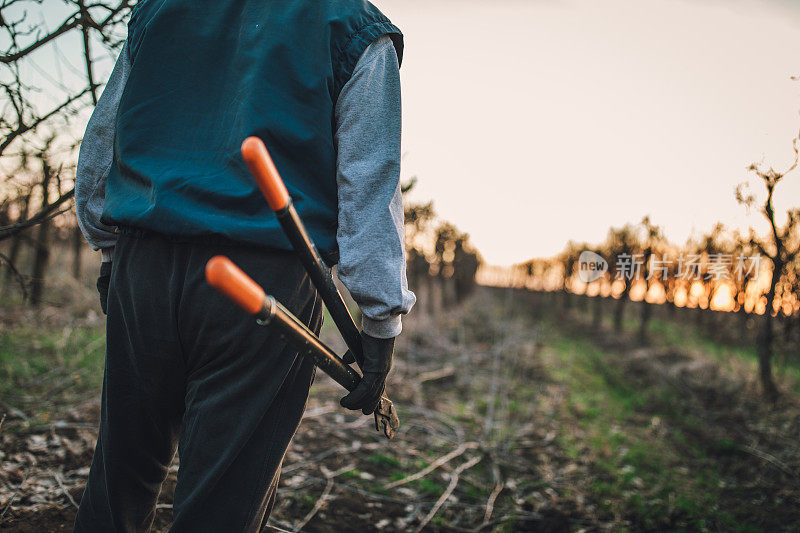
column 354, row 25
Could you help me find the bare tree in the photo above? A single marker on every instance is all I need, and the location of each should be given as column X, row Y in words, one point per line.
column 652, row 241
column 38, row 104
column 569, row 261
column 17, row 207
column 781, row 247
column 466, row 261
column 622, row 244
column 50, row 177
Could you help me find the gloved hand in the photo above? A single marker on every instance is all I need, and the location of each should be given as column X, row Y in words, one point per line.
column 102, row 285
column 377, row 363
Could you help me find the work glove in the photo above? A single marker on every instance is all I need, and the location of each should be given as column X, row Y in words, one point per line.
column 377, row 363
column 103, row 282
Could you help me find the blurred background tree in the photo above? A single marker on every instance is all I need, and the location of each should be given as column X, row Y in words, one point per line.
column 46, row 96
column 781, row 247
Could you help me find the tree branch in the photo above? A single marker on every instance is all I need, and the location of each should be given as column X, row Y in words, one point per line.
column 51, row 211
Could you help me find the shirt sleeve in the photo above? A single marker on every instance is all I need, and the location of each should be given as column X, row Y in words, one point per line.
column 371, row 233
column 95, row 159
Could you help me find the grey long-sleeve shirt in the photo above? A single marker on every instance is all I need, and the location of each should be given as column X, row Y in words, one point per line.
column 367, row 135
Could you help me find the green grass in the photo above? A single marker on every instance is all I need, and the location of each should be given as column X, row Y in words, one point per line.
column 40, row 366
column 428, row 486
column 642, row 477
column 384, row 460
column 685, row 335
column 666, row 333
column 353, row 474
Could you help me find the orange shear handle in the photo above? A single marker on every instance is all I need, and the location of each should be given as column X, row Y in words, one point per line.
column 229, row 279
column 259, row 162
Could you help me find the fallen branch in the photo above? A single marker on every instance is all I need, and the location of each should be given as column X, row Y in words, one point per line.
column 13, row 496
column 64, row 489
column 325, row 493
column 505, row 519
column 317, row 506
column 318, row 457
column 434, row 465
column 405, row 501
column 450, row 488
column 272, row 527
column 61, row 424
column 319, row 411
column 770, row 459
column 495, row 492
column 429, row 414
column 435, row 375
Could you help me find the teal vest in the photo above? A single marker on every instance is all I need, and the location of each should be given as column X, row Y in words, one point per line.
column 205, row 75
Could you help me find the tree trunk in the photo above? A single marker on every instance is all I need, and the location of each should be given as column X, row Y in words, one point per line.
column 700, row 318
column 647, row 312
column 671, row 307
column 765, row 335
column 448, row 292
column 787, row 323
column 42, row 252
column 77, row 249
column 764, row 351
column 566, row 299
column 13, row 256
column 713, row 328
column 743, row 319
column 597, row 312
column 619, row 312
column 797, row 326
column 41, row 257
column 436, row 295
column 16, row 245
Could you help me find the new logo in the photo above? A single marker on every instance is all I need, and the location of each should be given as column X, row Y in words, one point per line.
column 591, row 266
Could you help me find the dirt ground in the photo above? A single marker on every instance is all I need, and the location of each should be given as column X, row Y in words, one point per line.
column 515, row 417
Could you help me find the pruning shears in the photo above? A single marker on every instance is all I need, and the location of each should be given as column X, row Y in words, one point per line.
column 230, row 280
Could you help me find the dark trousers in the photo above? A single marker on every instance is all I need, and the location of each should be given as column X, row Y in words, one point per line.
column 186, row 368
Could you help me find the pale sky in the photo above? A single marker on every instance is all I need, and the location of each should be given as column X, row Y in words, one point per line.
column 532, row 122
